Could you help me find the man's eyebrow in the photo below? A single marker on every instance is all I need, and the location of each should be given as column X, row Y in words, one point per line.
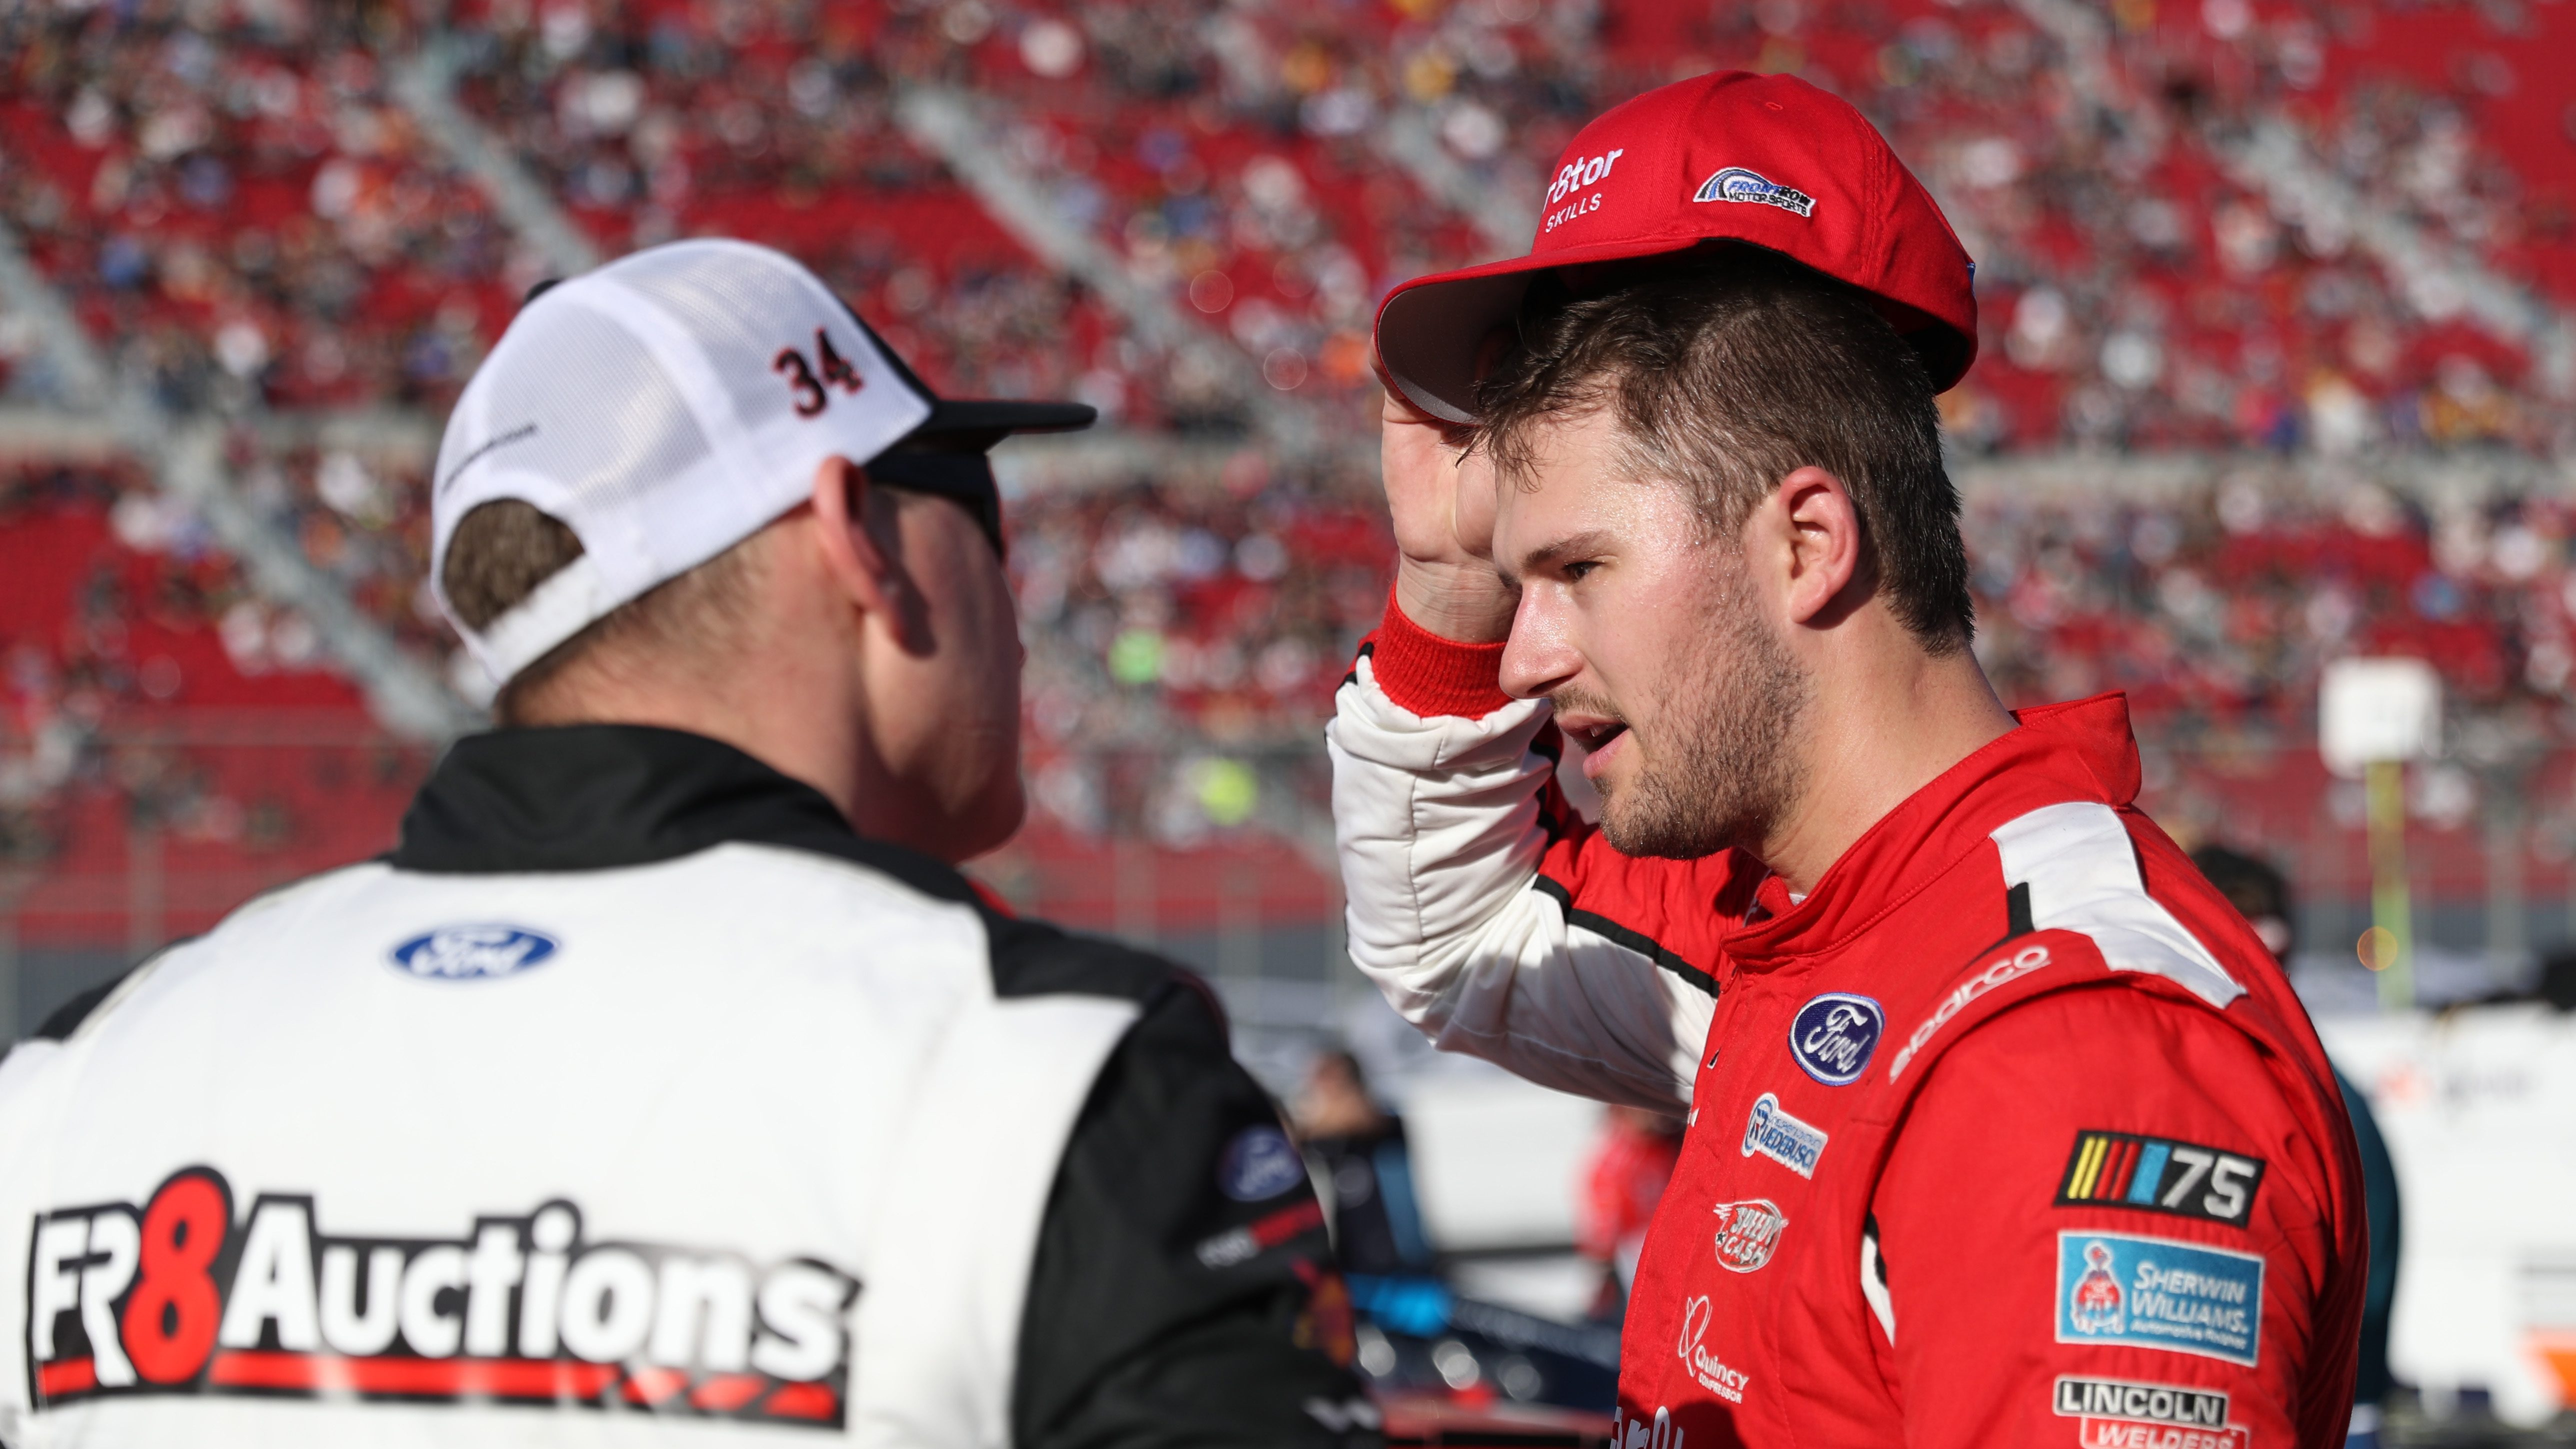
column 1573, row 546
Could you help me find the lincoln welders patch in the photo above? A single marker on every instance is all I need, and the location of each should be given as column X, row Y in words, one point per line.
column 2119, row 1414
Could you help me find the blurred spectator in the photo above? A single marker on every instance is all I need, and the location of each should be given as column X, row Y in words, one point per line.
column 2261, row 894
column 1621, row 1186
column 2557, row 984
column 1358, row 1148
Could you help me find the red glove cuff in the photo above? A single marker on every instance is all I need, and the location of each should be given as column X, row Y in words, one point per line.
column 1430, row 675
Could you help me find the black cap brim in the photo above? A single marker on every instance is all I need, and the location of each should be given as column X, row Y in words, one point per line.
column 975, row 424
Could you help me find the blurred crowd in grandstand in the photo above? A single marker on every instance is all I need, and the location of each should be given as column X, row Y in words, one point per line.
column 246, row 219
column 238, row 203
column 1166, row 617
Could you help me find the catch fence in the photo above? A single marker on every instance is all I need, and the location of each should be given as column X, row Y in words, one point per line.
column 116, row 840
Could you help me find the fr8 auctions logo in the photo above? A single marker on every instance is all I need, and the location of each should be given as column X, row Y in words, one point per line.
column 175, row 1298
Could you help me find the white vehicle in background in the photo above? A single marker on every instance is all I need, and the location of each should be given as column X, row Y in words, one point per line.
column 2478, row 1105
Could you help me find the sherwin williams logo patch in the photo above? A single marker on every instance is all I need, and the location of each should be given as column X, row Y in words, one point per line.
column 1737, row 184
column 1748, row 1233
column 1771, row 1131
column 473, row 953
column 1834, row 1036
column 2158, row 1293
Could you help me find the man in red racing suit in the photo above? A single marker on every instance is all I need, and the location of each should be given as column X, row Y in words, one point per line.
column 2003, row 1126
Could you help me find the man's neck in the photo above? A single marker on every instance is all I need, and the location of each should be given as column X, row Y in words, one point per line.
column 1872, row 736
column 811, row 743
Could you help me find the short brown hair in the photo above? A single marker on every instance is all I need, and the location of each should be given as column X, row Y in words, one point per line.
column 1731, row 367
column 504, row 549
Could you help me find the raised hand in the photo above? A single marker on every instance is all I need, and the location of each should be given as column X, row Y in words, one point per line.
column 1442, row 498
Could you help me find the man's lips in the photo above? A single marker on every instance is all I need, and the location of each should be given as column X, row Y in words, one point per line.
column 1601, row 738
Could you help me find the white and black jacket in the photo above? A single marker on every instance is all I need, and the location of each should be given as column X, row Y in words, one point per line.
column 636, row 1100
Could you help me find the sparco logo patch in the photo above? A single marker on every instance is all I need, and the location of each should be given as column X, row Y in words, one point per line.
column 174, row 1297
column 2161, row 1175
column 1747, row 1233
column 1771, row 1131
column 2158, row 1293
column 473, row 953
column 1737, row 184
column 2114, row 1414
column 1834, row 1035
column 1998, row 971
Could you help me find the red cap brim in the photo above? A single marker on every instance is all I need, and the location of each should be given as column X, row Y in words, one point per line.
column 1432, row 331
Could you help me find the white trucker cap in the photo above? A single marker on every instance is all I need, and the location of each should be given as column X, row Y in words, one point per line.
column 671, row 404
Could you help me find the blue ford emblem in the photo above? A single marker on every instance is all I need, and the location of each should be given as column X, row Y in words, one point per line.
column 1259, row 1164
column 473, row 953
column 1834, row 1036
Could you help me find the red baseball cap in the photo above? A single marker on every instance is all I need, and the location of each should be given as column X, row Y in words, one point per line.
column 1729, row 156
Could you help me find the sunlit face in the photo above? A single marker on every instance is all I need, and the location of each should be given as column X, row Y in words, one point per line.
column 946, row 703
column 1654, row 646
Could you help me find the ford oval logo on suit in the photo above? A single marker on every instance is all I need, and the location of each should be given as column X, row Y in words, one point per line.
column 1834, row 1036
column 473, row 953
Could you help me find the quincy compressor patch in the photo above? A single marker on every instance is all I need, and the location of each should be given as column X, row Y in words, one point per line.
column 176, row 1297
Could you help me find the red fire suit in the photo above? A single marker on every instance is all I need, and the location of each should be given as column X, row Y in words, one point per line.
column 2010, row 1132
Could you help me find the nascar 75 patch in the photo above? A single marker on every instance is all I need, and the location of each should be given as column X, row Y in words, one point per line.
column 2139, row 1292
column 2160, row 1175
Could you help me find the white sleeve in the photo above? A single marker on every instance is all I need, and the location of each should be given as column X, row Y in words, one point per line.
column 1441, row 841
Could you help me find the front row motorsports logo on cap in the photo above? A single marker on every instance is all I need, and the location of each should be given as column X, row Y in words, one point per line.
column 2158, row 1293
column 1784, row 1139
column 473, row 953
column 1737, row 184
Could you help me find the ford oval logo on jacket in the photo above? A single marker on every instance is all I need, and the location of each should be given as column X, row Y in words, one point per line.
column 473, row 953
column 1834, row 1036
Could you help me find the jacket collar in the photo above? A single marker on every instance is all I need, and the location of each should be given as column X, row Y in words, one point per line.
column 594, row 797
column 2083, row 750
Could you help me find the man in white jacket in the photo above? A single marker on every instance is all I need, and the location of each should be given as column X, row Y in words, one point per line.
column 666, row 1084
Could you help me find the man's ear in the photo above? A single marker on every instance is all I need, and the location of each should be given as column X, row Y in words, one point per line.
column 852, row 553
column 1818, row 534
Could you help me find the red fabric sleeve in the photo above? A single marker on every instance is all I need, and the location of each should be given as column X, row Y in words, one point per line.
column 1430, row 675
column 2015, row 1312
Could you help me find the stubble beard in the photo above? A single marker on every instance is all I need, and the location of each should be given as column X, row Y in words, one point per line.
column 1722, row 771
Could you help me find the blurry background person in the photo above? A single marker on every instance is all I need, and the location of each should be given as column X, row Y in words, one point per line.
column 1358, row 1149
column 1622, row 1182
column 2259, row 890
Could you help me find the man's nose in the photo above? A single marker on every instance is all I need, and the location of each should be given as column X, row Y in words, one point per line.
column 1540, row 655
